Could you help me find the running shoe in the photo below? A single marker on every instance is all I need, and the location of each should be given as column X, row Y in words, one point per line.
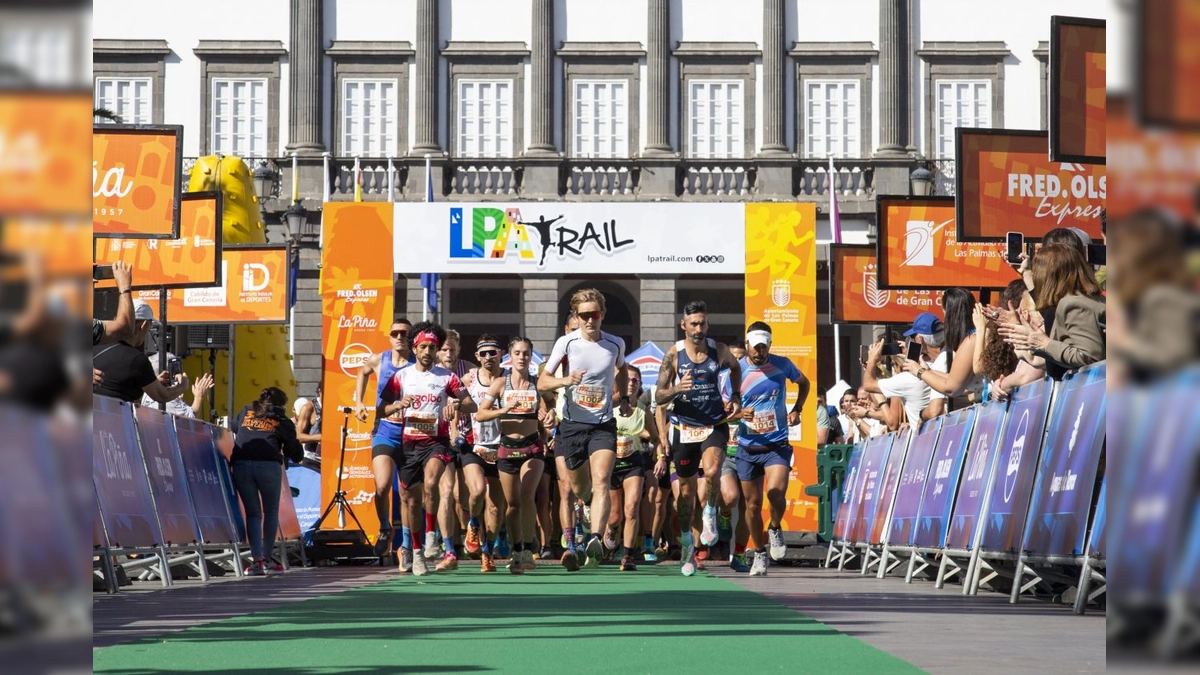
column 255, row 569
column 488, row 564
column 585, row 520
column 702, row 553
column 474, row 540
column 272, row 567
column 610, row 539
column 759, row 568
column 381, row 544
column 650, row 555
column 570, row 560
column 778, row 547
column 708, row 536
column 420, row 565
column 545, row 553
column 431, row 546
column 687, row 561
column 595, row 551
column 627, row 564
column 406, row 560
column 527, row 562
column 503, row 547
column 737, row 563
column 515, row 566
column 450, row 562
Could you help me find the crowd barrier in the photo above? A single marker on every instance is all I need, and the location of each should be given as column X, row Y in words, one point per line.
column 998, row 490
column 164, row 496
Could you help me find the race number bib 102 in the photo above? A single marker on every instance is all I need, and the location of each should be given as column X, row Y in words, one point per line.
column 691, row 434
column 764, row 422
column 625, row 446
column 590, row 397
column 522, row 402
column 415, row 425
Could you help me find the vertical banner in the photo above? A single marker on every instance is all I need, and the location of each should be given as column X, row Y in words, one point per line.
column 1077, row 90
column 781, row 284
column 874, row 455
column 887, row 492
column 171, row 501
column 120, row 477
column 358, row 302
column 849, row 492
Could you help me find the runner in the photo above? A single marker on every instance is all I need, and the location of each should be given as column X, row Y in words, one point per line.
column 520, row 458
column 427, row 396
column 387, row 435
column 480, row 475
column 635, row 435
column 587, row 434
column 460, row 429
column 733, row 504
column 564, row 496
column 763, row 449
column 688, row 380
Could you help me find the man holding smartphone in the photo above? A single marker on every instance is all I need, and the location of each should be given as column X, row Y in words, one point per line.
column 927, row 337
column 127, row 374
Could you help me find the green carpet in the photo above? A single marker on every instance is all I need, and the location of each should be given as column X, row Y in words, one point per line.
column 653, row 621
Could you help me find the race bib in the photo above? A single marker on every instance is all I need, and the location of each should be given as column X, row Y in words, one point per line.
column 691, row 434
column 522, row 402
column 486, row 454
column 763, row 422
column 590, row 397
column 397, row 417
column 625, row 447
column 420, row 426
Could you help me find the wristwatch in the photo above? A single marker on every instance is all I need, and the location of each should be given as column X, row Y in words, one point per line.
column 921, row 371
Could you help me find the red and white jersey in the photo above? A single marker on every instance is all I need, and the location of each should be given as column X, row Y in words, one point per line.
column 430, row 391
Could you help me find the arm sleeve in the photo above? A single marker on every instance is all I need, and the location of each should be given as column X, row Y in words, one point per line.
column 887, row 387
column 620, row 353
column 289, row 444
column 1081, row 342
column 793, row 373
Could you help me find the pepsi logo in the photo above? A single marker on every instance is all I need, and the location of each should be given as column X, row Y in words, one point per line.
column 354, row 357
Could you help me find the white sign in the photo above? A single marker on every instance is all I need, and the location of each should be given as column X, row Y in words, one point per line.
column 560, row 238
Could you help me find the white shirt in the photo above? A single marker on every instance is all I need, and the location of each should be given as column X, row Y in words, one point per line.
column 589, row 402
column 851, row 432
column 914, row 393
column 940, row 365
column 176, row 406
column 429, row 390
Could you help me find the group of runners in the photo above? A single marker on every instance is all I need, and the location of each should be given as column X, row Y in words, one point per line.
column 490, row 451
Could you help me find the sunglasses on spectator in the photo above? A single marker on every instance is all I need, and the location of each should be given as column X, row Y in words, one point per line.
column 399, row 333
column 589, row 316
column 487, row 353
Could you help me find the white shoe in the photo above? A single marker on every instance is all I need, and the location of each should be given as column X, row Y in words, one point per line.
column 594, row 551
column 709, row 535
column 778, row 547
column 406, row 560
column 586, row 521
column 420, row 566
column 431, row 546
column 687, row 557
column 759, row 567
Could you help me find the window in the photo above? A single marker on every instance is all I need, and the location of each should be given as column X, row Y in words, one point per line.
column 485, row 118
column 239, row 117
column 832, row 119
column 601, row 118
column 960, row 103
column 370, row 120
column 715, row 120
column 41, row 53
column 130, row 98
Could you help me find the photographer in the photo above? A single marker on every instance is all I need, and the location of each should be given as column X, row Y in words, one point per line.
column 126, row 374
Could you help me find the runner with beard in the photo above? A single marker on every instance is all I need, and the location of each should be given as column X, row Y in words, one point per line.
column 480, row 475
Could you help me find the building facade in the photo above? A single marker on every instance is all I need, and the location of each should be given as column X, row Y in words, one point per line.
column 578, row 100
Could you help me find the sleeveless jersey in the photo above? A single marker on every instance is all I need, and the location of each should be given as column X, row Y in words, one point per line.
column 389, row 428
column 702, row 405
column 486, row 433
column 430, row 390
column 525, row 401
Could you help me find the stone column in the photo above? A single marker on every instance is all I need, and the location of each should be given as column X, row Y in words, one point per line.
column 543, row 325
column 658, row 88
column 426, row 108
column 774, row 65
column 894, row 78
column 304, row 81
column 657, row 304
column 541, row 80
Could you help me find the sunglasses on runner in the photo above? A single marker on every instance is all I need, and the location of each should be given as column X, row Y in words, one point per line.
column 488, row 353
column 589, row 316
column 399, row 333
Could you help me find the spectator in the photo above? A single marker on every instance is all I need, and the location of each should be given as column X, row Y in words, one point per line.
column 868, row 417
column 828, row 429
column 308, row 427
column 121, row 328
column 1069, row 236
column 953, row 370
column 914, row 395
column 995, row 359
column 1066, row 290
column 177, row 406
column 263, row 436
column 126, row 374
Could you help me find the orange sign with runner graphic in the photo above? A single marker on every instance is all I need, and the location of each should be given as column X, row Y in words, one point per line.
column 136, row 181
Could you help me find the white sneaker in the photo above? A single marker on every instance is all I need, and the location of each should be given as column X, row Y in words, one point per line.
column 419, row 566
column 709, row 535
column 406, row 560
column 594, row 551
column 778, row 547
column 687, row 557
column 586, row 521
column 431, row 546
column 759, row 567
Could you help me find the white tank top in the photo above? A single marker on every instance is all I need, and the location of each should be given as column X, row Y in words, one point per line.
column 486, row 433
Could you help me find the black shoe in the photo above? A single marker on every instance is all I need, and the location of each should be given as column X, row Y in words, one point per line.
column 382, row 544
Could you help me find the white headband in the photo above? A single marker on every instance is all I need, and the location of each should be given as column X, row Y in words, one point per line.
column 756, row 337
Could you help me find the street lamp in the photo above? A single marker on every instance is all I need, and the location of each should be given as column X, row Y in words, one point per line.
column 295, row 222
column 921, row 181
column 265, row 179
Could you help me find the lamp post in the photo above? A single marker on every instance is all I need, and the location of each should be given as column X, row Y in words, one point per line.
column 295, row 222
column 265, row 180
column 921, row 182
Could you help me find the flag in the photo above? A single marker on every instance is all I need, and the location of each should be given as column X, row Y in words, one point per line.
column 835, row 216
column 429, row 282
column 357, row 181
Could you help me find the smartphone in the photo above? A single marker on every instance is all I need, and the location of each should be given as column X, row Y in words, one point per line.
column 174, row 367
column 914, row 351
column 890, row 349
column 862, row 353
column 1014, row 242
column 1097, row 254
column 100, row 272
column 985, row 296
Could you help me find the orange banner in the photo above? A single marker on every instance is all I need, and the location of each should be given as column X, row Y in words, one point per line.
column 857, row 298
column 1077, row 90
column 1006, row 183
column 254, row 290
column 136, row 181
column 358, row 302
column 1168, row 63
column 919, row 247
column 1150, row 167
column 191, row 261
column 43, row 149
column 781, row 289
column 62, row 244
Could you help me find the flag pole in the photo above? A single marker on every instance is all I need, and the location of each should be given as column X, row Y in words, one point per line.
column 835, row 227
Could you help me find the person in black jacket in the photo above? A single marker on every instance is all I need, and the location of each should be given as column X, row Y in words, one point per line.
column 263, row 434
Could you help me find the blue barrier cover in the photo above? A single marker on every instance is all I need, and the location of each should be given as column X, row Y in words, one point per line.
column 881, row 499
column 1097, row 540
column 120, row 479
column 223, row 442
column 874, row 455
column 1016, row 465
column 307, row 482
column 937, row 495
column 913, row 477
column 977, row 469
column 841, row 520
column 1187, row 579
column 167, row 481
column 202, row 470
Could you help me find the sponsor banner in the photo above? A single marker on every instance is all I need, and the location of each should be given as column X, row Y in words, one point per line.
column 43, row 149
column 191, row 261
column 167, row 482
column 62, row 244
column 857, row 297
column 120, row 477
column 977, row 470
column 566, row 238
column 308, row 503
column 198, row 452
column 890, row 479
column 781, row 280
column 1152, row 168
column 136, row 181
column 913, row 477
column 1077, row 89
column 918, row 248
column 874, row 456
column 358, row 301
column 1006, row 183
column 1167, row 62
column 1066, row 475
column 849, row 493
column 937, row 497
column 1016, row 466
column 254, row 290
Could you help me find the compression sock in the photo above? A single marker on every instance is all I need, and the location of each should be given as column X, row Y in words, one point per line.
column 406, row 539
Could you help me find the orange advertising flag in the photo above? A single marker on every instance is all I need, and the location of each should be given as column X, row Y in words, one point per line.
column 1006, row 182
column 254, row 290
column 918, row 248
column 136, row 181
column 1077, row 90
column 857, row 297
column 191, row 261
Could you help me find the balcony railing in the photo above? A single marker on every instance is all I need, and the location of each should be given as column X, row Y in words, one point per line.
column 943, row 177
column 599, row 177
column 484, row 177
column 718, row 178
column 851, row 178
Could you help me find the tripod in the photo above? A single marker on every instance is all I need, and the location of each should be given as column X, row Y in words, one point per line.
column 339, row 497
